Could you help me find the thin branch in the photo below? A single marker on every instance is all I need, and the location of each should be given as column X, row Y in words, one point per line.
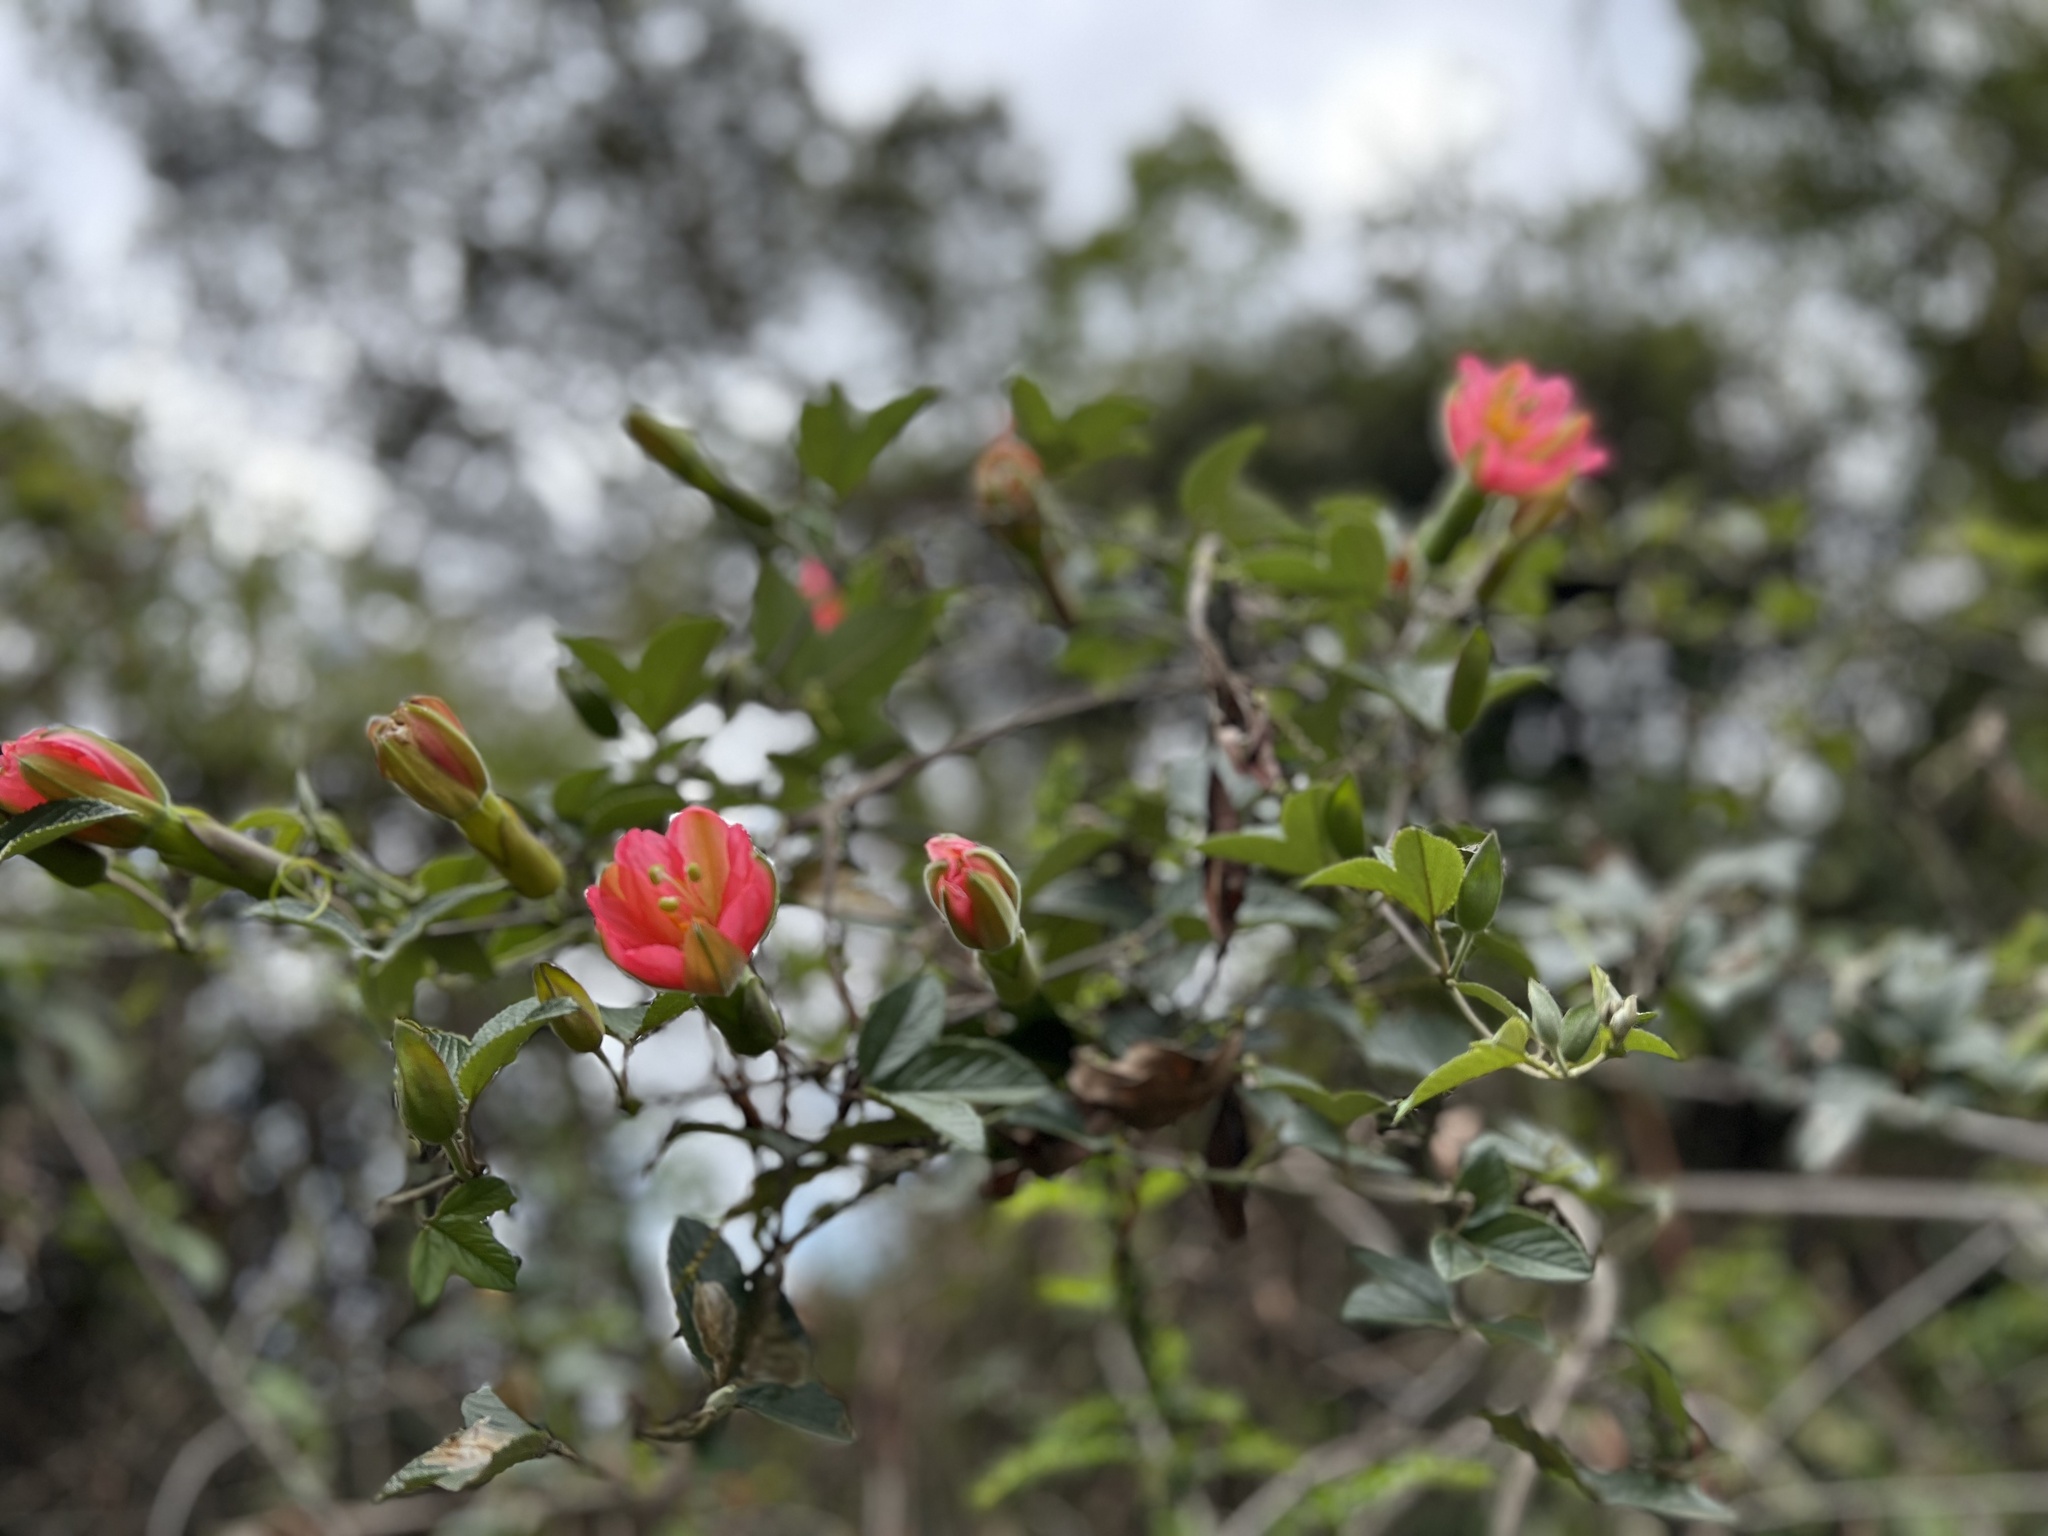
column 1596, row 1325
column 1437, row 1384
column 1986, row 1495
column 1870, row 1336
column 226, row 1375
column 1849, row 1199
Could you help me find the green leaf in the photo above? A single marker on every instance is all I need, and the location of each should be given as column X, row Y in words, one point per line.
column 1068, row 854
column 671, row 674
column 1638, row 1488
column 1546, row 1019
column 319, row 917
column 1262, row 850
column 697, row 1257
column 1214, row 496
column 492, row 1439
column 1371, row 875
column 1454, row 1258
column 1338, row 1106
column 1576, row 1035
column 53, row 819
column 472, row 1251
column 1492, row 999
column 1509, row 681
column 1523, row 1244
column 1467, row 695
column 1475, row 1062
column 1655, row 1045
column 1551, row 1458
column 1100, row 429
column 1344, row 819
column 75, row 864
column 979, row 1071
column 903, row 1023
column 808, row 1407
column 1479, row 891
column 1433, row 865
column 951, row 1116
column 1401, row 1294
column 1487, row 1178
column 499, row 1039
column 837, row 445
column 442, row 904
column 1518, row 1330
column 429, row 1266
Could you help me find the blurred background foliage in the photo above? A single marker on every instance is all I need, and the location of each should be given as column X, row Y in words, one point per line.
column 1794, row 749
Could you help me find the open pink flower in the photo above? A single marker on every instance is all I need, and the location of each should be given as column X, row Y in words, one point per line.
column 66, row 762
column 814, row 582
column 1518, row 432
column 975, row 890
column 685, row 909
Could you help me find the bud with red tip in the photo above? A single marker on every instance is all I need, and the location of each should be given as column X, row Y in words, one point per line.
column 975, row 891
column 422, row 748
column 61, row 762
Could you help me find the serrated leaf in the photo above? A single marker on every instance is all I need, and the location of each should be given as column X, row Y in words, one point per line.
column 904, row 1022
column 1551, row 1458
column 320, row 917
column 43, row 824
column 979, row 1071
column 475, row 1253
column 1525, row 1245
column 499, row 1039
column 478, row 1198
column 952, row 1117
column 1401, row 1294
column 1654, row 1045
column 808, row 1407
column 671, row 672
column 429, row 1265
column 440, row 905
column 1475, row 1062
column 492, row 1439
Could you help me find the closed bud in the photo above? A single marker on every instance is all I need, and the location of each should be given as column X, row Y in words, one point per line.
column 1580, row 1029
column 581, row 1031
column 65, row 763
column 746, row 1016
column 422, row 748
column 427, row 1101
column 975, row 891
column 1007, row 477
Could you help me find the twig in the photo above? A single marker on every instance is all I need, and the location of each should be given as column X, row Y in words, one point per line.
column 225, row 1375
column 1596, row 1325
column 181, row 936
column 1436, row 1385
column 1850, row 1199
column 1870, row 1336
column 889, row 775
column 1988, row 1494
column 198, row 1459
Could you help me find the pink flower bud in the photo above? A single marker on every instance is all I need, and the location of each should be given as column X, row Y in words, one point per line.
column 1517, row 432
column 61, row 762
column 422, row 748
column 815, row 583
column 975, row 891
column 685, row 909
column 1007, row 476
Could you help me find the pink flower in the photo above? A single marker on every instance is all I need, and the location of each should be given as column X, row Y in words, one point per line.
column 1517, row 432
column 975, row 891
column 60, row 762
column 815, row 583
column 685, row 909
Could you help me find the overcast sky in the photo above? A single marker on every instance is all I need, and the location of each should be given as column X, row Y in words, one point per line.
column 1336, row 106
